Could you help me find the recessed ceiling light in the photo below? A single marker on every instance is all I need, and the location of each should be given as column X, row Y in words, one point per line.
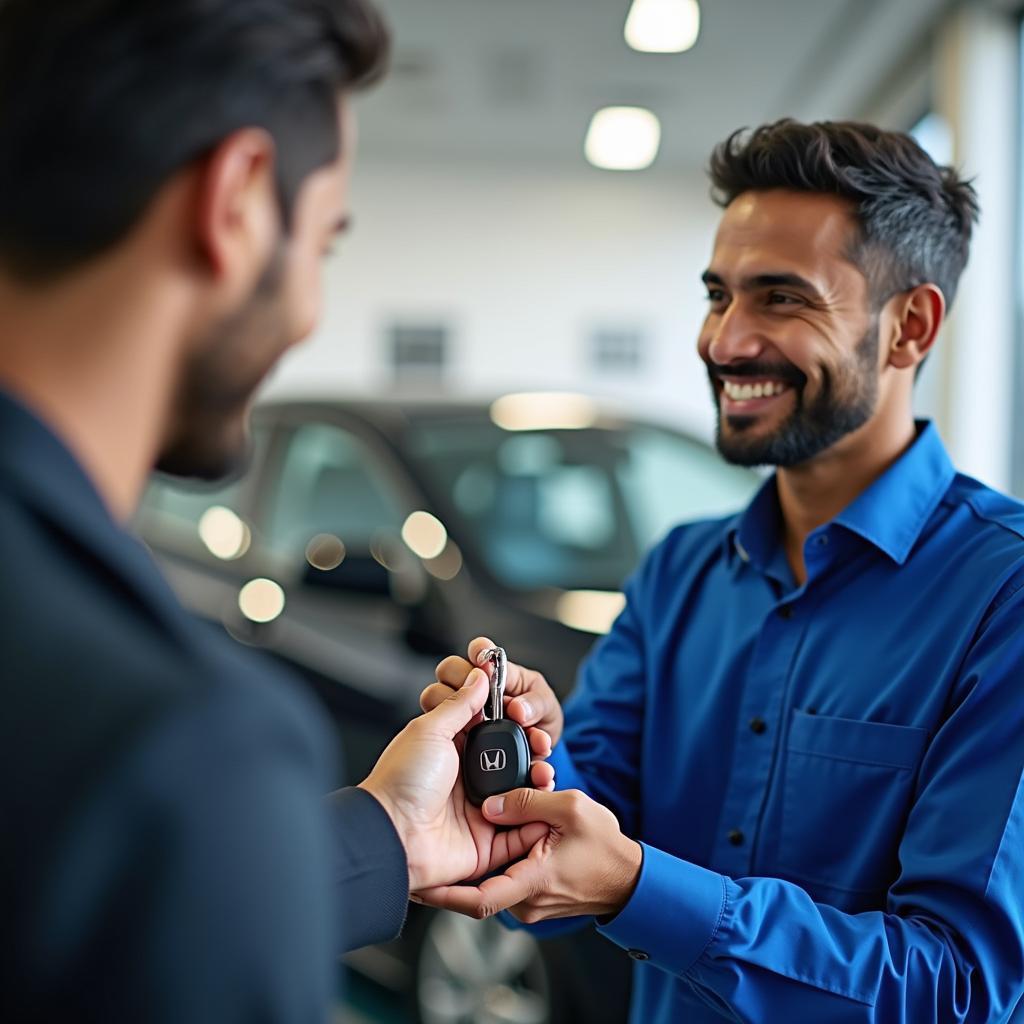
column 623, row 139
column 663, row 26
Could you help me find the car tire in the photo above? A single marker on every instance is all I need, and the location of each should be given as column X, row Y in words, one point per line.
column 480, row 972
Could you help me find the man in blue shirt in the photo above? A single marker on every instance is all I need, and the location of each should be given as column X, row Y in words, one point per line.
column 799, row 752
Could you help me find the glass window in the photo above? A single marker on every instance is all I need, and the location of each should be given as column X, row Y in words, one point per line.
column 573, row 509
column 419, row 352
column 667, row 479
column 329, row 484
column 199, row 518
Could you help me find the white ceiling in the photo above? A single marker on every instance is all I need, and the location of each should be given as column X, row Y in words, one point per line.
column 516, row 81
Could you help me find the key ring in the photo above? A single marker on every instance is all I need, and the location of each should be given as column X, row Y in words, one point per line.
column 494, row 709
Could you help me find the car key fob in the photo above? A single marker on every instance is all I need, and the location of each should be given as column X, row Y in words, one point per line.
column 496, row 757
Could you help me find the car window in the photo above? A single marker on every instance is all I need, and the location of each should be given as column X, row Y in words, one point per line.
column 572, row 508
column 330, row 483
column 199, row 518
column 667, row 479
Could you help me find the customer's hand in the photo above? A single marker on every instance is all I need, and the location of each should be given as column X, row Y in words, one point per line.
column 419, row 783
column 529, row 700
column 584, row 865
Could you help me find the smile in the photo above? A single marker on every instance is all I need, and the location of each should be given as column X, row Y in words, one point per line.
column 749, row 390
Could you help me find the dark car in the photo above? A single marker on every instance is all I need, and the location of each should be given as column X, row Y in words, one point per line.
column 368, row 539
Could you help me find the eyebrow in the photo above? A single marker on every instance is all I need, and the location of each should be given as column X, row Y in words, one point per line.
column 758, row 281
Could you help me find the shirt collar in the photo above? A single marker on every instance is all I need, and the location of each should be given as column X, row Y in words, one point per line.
column 754, row 536
column 893, row 511
column 890, row 514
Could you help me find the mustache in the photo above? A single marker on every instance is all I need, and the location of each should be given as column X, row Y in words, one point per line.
column 775, row 371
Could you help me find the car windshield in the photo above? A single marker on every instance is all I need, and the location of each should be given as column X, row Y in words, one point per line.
column 573, row 509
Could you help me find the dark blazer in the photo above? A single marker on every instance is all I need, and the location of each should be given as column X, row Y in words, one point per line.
column 166, row 851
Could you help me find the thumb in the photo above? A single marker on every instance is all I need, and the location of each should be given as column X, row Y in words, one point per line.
column 454, row 713
column 522, row 806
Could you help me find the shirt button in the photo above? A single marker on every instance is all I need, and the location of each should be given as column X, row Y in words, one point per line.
column 822, row 540
column 786, row 611
column 639, row 954
column 758, row 725
column 735, row 837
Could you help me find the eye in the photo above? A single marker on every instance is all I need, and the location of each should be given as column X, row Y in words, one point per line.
column 716, row 295
column 783, row 299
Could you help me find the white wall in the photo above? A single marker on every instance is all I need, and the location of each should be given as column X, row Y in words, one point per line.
column 523, row 266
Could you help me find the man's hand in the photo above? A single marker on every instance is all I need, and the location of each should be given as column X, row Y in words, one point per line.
column 529, row 700
column 584, row 865
column 418, row 782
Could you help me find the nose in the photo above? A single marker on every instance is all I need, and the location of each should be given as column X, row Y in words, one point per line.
column 734, row 337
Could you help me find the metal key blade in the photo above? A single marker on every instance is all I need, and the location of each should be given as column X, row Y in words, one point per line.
column 494, row 710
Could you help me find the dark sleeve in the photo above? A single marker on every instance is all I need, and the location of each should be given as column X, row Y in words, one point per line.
column 370, row 873
column 195, row 885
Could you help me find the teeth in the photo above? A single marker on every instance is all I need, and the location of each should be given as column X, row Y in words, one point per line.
column 745, row 392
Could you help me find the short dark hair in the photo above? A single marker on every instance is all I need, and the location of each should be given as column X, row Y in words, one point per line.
column 102, row 101
column 914, row 217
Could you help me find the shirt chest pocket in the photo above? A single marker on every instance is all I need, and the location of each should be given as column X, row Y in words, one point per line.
column 847, row 787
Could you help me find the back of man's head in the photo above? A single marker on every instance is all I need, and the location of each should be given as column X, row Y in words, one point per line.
column 102, row 101
column 914, row 217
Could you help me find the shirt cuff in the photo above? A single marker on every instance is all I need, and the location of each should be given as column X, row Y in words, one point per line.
column 673, row 915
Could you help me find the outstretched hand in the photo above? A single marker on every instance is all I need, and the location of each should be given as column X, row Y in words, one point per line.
column 418, row 781
column 529, row 700
column 583, row 865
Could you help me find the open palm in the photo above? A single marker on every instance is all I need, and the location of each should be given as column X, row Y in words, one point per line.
column 418, row 780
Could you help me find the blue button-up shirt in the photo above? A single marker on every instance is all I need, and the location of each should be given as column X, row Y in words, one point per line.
column 826, row 779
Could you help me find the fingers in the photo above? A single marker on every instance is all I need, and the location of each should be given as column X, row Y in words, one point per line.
column 540, row 742
column 515, row 843
column 452, row 715
column 453, row 671
column 491, row 896
column 542, row 775
column 535, row 702
column 526, row 805
column 436, row 693
column 477, row 647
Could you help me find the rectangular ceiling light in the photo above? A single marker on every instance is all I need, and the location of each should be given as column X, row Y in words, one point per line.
column 623, row 139
column 663, row 26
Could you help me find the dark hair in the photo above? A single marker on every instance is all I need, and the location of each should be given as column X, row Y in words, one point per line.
column 914, row 217
column 101, row 101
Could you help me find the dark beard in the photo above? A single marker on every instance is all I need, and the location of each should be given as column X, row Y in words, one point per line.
column 209, row 435
column 844, row 403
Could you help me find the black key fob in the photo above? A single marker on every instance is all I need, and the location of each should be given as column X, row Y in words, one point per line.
column 496, row 757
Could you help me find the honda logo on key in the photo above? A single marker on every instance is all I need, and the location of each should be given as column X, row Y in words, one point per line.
column 492, row 760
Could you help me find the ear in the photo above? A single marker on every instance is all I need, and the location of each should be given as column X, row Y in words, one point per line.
column 237, row 213
column 918, row 315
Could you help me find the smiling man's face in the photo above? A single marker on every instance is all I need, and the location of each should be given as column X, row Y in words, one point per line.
column 790, row 342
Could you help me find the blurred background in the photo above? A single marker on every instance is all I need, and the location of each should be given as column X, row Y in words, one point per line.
column 532, row 217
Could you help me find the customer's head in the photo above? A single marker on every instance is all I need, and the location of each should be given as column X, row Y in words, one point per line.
column 212, row 136
column 837, row 256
